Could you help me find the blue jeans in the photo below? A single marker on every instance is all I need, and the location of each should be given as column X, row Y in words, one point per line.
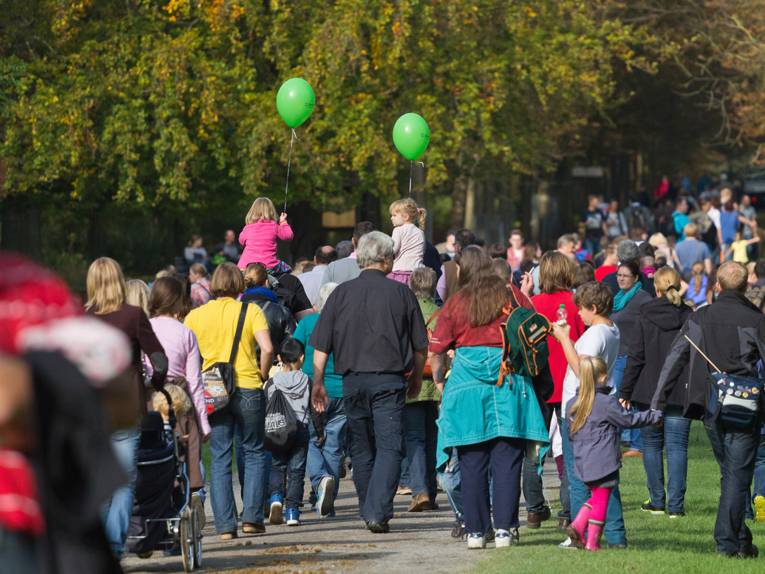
column 120, row 508
column 325, row 460
column 247, row 411
column 290, row 465
column 629, row 436
column 673, row 436
column 735, row 453
column 420, row 434
column 451, row 481
column 614, row 530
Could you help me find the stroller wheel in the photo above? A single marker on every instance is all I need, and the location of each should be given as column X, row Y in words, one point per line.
column 186, row 541
column 198, row 525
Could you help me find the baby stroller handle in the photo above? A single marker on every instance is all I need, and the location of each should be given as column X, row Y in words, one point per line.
column 170, row 410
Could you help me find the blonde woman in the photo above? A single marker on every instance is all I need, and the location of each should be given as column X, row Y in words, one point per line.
column 137, row 294
column 660, row 322
column 260, row 234
column 107, row 300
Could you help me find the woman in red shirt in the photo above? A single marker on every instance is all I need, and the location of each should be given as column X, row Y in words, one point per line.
column 556, row 277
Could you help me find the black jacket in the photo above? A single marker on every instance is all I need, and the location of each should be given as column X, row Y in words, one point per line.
column 659, row 323
column 731, row 332
column 280, row 321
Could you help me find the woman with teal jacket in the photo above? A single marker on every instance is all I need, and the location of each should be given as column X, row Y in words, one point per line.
column 489, row 423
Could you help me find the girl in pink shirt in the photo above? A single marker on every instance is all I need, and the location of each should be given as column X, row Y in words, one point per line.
column 260, row 234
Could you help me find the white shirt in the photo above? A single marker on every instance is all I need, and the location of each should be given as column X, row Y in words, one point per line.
column 408, row 246
column 597, row 341
column 312, row 282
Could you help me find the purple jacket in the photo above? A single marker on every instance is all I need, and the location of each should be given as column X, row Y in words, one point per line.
column 596, row 446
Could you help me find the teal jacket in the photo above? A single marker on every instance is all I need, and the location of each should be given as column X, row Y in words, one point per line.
column 474, row 409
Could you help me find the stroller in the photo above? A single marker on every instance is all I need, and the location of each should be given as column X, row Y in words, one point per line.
column 165, row 514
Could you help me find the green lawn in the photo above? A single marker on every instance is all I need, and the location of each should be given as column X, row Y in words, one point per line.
column 656, row 544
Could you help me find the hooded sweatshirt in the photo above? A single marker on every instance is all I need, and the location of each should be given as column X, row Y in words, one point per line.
column 660, row 321
column 296, row 387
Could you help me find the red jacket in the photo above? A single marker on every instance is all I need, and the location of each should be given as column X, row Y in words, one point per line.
column 547, row 304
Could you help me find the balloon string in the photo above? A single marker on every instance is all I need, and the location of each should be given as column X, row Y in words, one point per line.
column 411, row 170
column 289, row 163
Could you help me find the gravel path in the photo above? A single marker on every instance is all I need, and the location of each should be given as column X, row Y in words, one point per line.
column 339, row 544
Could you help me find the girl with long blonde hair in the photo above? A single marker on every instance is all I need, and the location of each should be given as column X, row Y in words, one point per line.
column 595, row 422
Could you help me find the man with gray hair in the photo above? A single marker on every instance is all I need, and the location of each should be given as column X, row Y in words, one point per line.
column 627, row 250
column 375, row 330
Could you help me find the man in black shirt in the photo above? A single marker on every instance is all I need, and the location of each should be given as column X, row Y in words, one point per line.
column 375, row 329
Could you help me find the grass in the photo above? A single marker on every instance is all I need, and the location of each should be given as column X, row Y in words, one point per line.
column 656, row 544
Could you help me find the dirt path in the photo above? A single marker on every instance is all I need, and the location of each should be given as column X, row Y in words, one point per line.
column 417, row 542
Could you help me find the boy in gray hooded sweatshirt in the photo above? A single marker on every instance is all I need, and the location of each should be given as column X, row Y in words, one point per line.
column 296, row 388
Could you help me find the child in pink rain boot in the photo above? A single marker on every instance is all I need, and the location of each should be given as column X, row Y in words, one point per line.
column 596, row 419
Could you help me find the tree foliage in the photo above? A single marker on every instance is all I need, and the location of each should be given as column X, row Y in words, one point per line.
column 149, row 102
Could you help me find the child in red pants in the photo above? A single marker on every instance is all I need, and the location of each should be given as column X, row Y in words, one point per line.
column 596, row 420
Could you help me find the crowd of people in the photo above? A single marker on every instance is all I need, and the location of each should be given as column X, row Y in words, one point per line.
column 409, row 365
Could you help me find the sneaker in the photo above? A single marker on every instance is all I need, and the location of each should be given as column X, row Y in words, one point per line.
column 676, row 514
column 567, row 543
column 293, row 517
column 648, row 506
column 253, row 528
column 535, row 519
column 275, row 505
column 325, row 495
column 476, row 542
column 505, row 539
column 759, row 508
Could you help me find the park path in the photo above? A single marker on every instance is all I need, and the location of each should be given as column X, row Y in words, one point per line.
column 416, row 542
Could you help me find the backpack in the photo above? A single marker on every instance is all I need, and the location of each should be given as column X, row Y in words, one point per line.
column 281, row 422
column 524, row 344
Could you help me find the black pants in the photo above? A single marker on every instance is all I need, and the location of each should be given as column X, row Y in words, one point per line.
column 504, row 458
column 374, row 405
column 735, row 453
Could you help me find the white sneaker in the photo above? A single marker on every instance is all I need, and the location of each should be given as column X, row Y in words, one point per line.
column 325, row 495
column 567, row 544
column 476, row 542
column 501, row 538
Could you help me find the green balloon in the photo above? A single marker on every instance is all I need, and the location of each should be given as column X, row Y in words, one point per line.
column 294, row 101
column 411, row 135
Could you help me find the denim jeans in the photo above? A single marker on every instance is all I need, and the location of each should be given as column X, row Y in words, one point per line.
column 533, row 486
column 735, row 453
column 420, row 432
column 503, row 458
column 629, row 436
column 292, row 466
column 759, row 468
column 325, row 460
column 374, row 405
column 451, row 481
column 247, row 411
column 614, row 530
column 672, row 436
column 119, row 509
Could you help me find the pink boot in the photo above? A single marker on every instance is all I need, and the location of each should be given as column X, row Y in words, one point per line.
column 594, row 531
column 575, row 530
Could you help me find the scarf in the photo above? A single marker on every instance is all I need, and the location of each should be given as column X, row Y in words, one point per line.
column 623, row 297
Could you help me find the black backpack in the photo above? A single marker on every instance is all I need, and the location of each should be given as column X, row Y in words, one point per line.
column 281, row 422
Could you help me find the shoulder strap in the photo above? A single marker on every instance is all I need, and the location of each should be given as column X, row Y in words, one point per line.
column 238, row 334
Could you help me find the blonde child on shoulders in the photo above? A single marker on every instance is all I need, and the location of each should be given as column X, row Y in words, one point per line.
column 408, row 238
column 260, row 235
